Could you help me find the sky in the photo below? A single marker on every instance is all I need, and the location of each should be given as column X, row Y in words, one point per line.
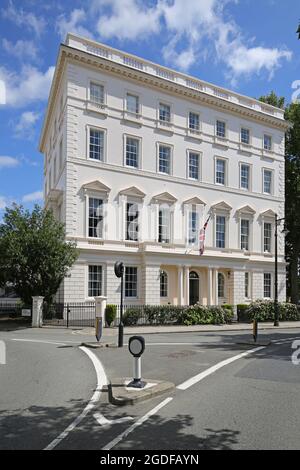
column 245, row 45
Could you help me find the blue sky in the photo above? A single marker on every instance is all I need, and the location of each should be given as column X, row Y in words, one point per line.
column 245, row 45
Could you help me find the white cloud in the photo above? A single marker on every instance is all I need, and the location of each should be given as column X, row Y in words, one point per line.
column 33, row 197
column 190, row 30
column 128, row 19
column 25, row 127
column 28, row 86
column 21, row 49
column 8, row 162
column 72, row 25
column 24, row 19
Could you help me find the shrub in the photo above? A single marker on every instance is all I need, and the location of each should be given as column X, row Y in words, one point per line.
column 161, row 314
column 201, row 315
column 261, row 310
column 110, row 314
column 131, row 316
column 228, row 311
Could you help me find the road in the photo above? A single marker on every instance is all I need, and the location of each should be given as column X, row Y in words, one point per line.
column 51, row 397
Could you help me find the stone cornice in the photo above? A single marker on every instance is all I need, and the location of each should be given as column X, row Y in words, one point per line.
column 90, row 60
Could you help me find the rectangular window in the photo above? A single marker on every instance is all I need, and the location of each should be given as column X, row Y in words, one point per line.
column 95, row 217
column 245, row 176
column 220, row 231
column 164, row 221
column 96, row 93
column 194, row 165
column 267, row 237
column 164, row 164
column 194, row 122
column 132, row 218
column 220, row 171
column 267, row 181
column 267, row 285
column 245, row 136
column 130, row 282
column 164, row 112
column 245, row 228
column 247, row 286
column 132, row 103
column 95, row 281
column 193, row 226
column 267, row 142
column 163, row 284
column 132, row 152
column 96, row 144
column 221, row 129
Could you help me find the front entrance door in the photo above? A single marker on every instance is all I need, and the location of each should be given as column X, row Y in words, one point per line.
column 194, row 288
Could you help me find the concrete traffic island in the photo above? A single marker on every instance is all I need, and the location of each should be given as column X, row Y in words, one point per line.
column 120, row 394
column 96, row 345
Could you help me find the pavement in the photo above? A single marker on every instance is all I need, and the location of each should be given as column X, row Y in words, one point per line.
column 227, row 395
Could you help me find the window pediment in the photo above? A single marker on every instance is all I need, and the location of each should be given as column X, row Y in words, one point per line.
column 268, row 213
column 194, row 200
column 133, row 191
column 164, row 197
column 96, row 186
column 221, row 206
column 246, row 210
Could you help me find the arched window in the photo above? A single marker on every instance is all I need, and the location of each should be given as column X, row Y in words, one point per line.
column 221, row 286
column 163, row 284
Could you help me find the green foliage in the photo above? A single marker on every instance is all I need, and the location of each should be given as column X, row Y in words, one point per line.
column 131, row 316
column 273, row 100
column 263, row 310
column 110, row 313
column 202, row 315
column 161, row 314
column 228, row 312
column 34, row 255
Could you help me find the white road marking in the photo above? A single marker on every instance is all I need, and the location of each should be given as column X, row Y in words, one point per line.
column 197, row 378
column 101, row 381
column 104, row 422
column 38, row 341
column 139, row 422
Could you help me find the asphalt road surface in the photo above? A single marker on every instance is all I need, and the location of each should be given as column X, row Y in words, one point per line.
column 225, row 397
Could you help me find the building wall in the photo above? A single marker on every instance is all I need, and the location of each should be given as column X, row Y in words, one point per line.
column 70, row 124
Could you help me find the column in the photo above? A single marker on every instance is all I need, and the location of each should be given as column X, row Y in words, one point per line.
column 180, row 285
column 216, row 299
column 187, row 285
column 209, row 286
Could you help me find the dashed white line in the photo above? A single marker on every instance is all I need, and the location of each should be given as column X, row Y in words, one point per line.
column 101, row 381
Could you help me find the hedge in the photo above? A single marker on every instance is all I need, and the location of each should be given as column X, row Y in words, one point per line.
column 263, row 310
column 168, row 314
column 110, row 313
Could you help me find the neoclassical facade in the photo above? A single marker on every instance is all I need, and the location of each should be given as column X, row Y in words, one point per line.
column 137, row 157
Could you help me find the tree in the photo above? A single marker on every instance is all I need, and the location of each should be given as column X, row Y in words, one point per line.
column 292, row 191
column 34, row 255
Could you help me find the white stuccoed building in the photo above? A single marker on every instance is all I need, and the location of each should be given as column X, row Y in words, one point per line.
column 137, row 156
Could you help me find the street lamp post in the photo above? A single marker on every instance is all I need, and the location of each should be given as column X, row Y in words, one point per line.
column 276, row 310
column 119, row 272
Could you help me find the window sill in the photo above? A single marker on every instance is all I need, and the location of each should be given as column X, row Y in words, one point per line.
column 97, row 108
column 165, row 126
column 132, row 117
column 245, row 148
column 194, row 134
column 222, row 141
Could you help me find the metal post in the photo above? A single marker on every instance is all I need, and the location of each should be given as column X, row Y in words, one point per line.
column 121, row 326
column 137, row 371
column 276, row 313
column 68, row 312
column 255, row 330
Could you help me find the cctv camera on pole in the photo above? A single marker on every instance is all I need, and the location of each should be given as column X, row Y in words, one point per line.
column 119, row 272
